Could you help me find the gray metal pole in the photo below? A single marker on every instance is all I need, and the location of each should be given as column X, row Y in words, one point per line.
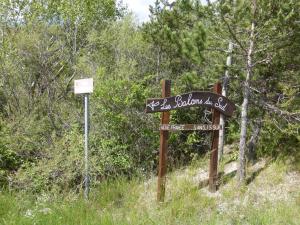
column 86, row 145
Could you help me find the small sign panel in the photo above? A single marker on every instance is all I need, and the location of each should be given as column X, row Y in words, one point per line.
column 178, row 127
column 83, row 86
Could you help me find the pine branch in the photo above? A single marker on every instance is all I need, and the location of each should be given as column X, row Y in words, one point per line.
column 233, row 35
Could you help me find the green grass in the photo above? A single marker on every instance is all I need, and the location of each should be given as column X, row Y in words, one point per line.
column 133, row 202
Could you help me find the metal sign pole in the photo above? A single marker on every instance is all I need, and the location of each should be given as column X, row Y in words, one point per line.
column 86, row 145
column 85, row 86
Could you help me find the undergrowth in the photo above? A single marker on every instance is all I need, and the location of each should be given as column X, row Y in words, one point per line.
column 273, row 197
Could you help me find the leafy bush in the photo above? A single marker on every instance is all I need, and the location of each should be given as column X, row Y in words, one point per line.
column 9, row 160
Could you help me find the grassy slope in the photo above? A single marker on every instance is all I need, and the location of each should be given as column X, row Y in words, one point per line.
column 273, row 197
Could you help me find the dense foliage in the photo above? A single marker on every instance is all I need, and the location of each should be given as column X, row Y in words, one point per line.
column 45, row 45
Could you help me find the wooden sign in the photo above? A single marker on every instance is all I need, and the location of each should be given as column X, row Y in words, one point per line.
column 176, row 127
column 214, row 100
column 192, row 99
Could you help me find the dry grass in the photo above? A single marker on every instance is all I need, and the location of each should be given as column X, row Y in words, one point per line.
column 272, row 197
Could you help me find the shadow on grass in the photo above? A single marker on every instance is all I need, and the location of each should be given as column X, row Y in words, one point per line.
column 256, row 171
column 254, row 175
column 226, row 178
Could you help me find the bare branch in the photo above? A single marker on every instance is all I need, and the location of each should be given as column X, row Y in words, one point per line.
column 217, row 50
column 263, row 61
column 287, row 115
column 270, row 108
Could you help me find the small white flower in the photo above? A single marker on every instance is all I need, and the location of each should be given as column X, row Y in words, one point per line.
column 45, row 211
column 29, row 213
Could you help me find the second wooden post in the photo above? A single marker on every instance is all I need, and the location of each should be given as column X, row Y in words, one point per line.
column 213, row 165
column 163, row 149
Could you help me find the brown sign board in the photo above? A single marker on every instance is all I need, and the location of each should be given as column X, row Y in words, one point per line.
column 214, row 100
column 192, row 99
column 178, row 127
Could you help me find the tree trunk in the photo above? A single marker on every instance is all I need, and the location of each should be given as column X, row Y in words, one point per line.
column 244, row 109
column 158, row 64
column 224, row 93
column 251, row 153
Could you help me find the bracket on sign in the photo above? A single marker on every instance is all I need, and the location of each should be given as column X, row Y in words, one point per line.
column 180, row 127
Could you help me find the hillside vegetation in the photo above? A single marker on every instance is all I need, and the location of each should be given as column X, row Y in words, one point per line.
column 250, row 47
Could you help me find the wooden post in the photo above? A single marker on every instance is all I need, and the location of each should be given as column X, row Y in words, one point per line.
column 162, row 167
column 213, row 165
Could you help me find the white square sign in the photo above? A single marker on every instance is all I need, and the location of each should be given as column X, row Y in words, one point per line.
column 83, row 86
